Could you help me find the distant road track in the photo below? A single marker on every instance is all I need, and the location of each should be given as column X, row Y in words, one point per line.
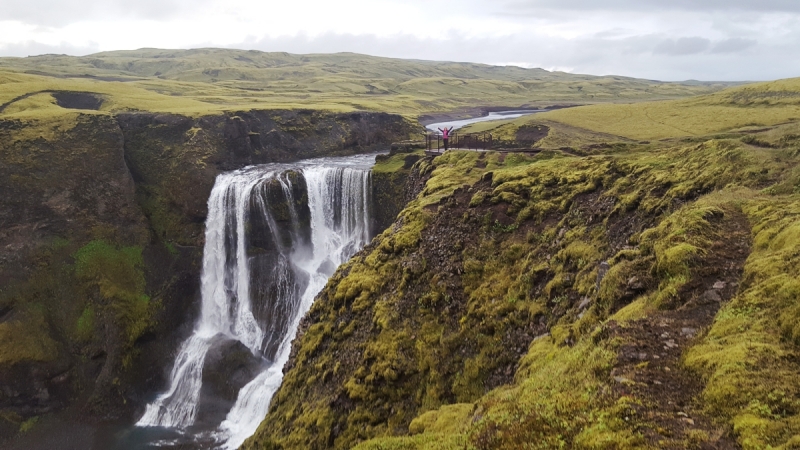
column 22, row 97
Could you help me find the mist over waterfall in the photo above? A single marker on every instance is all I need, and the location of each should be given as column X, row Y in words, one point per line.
column 274, row 234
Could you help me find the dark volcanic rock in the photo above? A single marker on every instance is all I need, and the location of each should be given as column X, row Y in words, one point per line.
column 78, row 100
column 229, row 365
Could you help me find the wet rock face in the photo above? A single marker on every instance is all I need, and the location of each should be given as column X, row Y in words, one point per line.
column 282, row 210
column 256, row 137
column 62, row 187
column 60, row 192
column 391, row 191
column 229, row 366
column 279, row 226
column 34, row 389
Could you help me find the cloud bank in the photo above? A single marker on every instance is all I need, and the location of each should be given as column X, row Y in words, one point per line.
column 675, row 40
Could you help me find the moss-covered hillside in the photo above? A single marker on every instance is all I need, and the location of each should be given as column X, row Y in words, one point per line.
column 642, row 296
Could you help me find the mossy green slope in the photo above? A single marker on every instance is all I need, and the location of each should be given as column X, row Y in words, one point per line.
column 443, row 308
column 749, row 354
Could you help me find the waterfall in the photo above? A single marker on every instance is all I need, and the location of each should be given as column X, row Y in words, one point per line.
column 305, row 242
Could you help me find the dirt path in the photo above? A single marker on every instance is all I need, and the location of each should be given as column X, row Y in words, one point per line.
column 649, row 367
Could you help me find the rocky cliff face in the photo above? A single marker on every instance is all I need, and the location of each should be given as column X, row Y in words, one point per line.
column 394, row 184
column 101, row 232
column 174, row 159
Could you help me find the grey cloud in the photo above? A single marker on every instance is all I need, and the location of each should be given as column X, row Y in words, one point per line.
column 733, row 45
column 57, row 13
column 682, row 46
column 531, row 6
column 31, row 48
column 633, row 56
column 613, row 33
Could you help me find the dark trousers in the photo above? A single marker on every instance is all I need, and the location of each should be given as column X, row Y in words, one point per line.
column 445, row 143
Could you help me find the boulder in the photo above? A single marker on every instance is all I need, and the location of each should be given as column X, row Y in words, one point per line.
column 228, row 367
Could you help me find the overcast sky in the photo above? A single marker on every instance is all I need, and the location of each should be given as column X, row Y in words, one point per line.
column 658, row 39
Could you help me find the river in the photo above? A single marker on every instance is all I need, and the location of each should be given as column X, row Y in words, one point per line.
column 492, row 116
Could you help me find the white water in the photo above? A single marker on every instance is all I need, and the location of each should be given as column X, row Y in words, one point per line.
column 338, row 202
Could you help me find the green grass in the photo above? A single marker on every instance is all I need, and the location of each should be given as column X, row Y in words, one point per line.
column 29, row 424
column 117, row 97
column 559, row 136
column 750, row 108
column 85, row 328
column 559, row 401
column 393, row 163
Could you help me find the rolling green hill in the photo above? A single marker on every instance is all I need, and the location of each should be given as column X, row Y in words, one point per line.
column 207, row 80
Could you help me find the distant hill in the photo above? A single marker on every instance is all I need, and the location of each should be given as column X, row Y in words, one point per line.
column 235, row 79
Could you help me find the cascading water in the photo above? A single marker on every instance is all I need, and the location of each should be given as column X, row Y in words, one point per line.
column 269, row 250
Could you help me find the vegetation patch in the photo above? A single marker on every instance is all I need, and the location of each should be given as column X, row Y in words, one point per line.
column 118, row 274
column 26, row 338
column 206, row 81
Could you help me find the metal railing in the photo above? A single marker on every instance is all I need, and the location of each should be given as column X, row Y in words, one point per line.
column 466, row 141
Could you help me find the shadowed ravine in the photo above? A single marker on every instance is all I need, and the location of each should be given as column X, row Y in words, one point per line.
column 274, row 235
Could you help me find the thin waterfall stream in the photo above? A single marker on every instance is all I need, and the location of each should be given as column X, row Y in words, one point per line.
column 274, row 235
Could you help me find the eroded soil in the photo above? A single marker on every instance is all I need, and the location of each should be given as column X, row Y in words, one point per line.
column 649, row 365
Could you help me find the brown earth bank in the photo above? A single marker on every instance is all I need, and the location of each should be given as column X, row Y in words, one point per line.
column 101, row 234
column 649, row 370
